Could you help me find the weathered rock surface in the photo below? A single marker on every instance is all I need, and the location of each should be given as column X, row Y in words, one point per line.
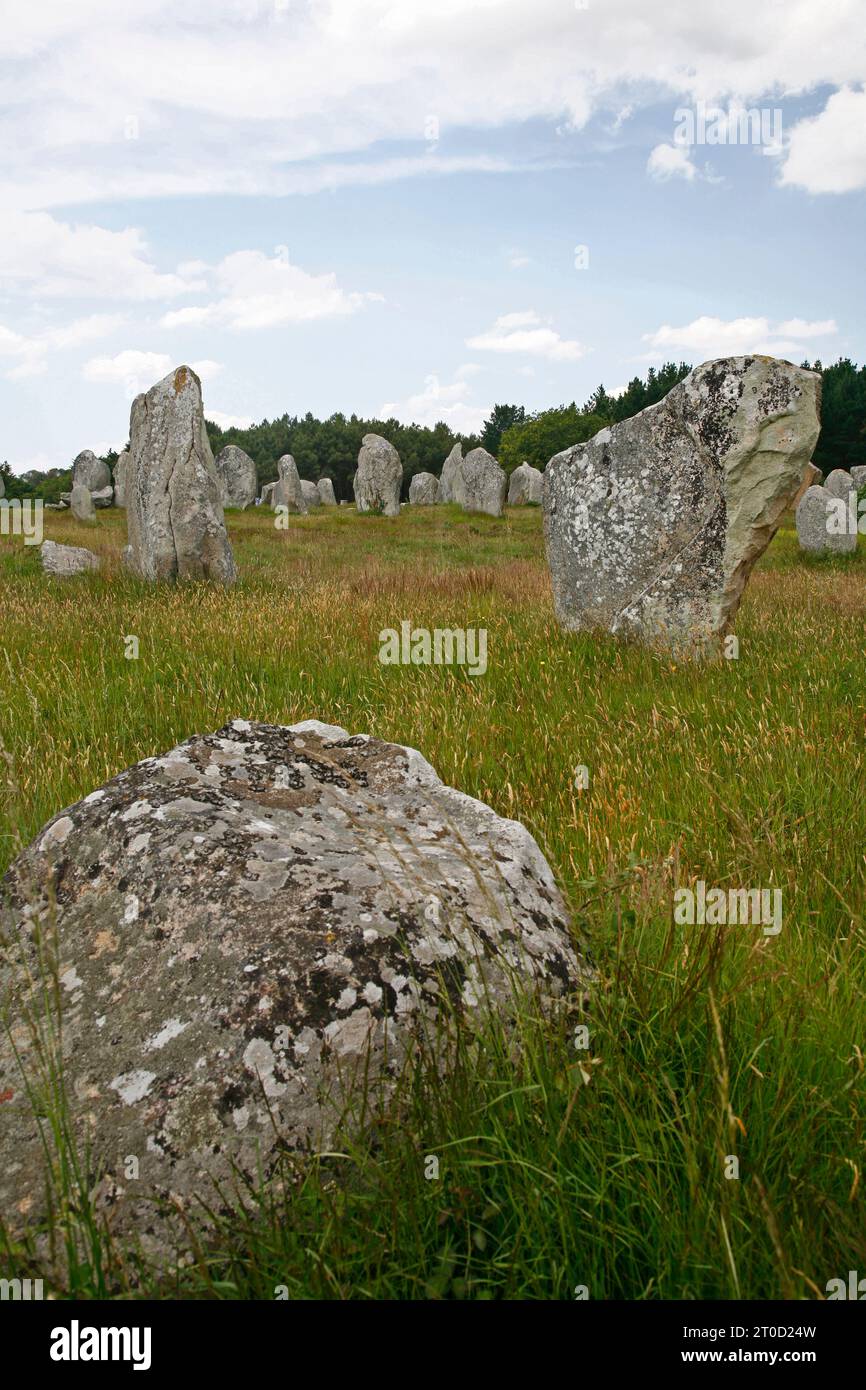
column 450, row 470
column 524, row 485
column 840, row 484
column 480, row 484
column 653, row 526
column 858, row 473
column 378, row 478
column 66, row 560
column 424, row 490
column 81, row 503
column 104, row 497
column 310, row 493
column 288, row 491
column 267, row 497
column 174, row 516
column 247, row 928
column 822, row 527
column 121, row 469
column 326, row 492
column 237, row 475
column 90, row 471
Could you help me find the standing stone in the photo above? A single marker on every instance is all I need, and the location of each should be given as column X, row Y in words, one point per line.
column 480, row 485
column 66, row 560
column 104, row 497
column 424, row 490
column 267, row 497
column 237, row 475
column 310, row 493
column 380, row 473
column 2, row 486
column 90, row 471
column 450, row 470
column 840, row 484
column 268, row 920
column 326, row 492
column 524, row 486
column 818, row 524
column 288, row 491
column 653, row 526
column 174, row 515
column 120, row 471
column 858, row 473
column 81, row 503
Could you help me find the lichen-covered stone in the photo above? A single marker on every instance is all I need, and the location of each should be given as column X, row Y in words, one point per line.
column 524, row 486
column 81, row 503
column 858, row 475
column 450, row 470
column 248, row 930
column 480, row 484
column 66, row 560
column 90, row 471
column 237, row 475
column 287, row 491
column 310, row 493
column 326, row 492
column 823, row 527
column 174, row 515
column 653, row 526
column 267, row 497
column 424, row 490
column 378, row 477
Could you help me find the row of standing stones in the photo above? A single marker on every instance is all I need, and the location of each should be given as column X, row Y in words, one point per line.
column 818, row 530
column 252, row 932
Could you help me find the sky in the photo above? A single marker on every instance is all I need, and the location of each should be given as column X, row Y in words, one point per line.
column 415, row 209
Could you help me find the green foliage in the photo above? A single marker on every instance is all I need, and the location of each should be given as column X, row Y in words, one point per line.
column 638, row 394
column 842, row 441
column 546, row 433
column 501, row 418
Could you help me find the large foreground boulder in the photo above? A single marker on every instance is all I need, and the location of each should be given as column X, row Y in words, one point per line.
column 450, row 471
column 288, row 492
column 251, row 931
column 653, row 526
column 174, row 516
column 525, row 485
column 237, row 475
column 90, row 471
column 377, row 481
column 480, row 485
column 424, row 490
column 62, row 561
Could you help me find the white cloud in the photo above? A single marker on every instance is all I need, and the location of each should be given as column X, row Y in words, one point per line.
column 827, row 153
column 40, row 255
column 526, row 333
column 671, row 161
column 30, row 353
column 229, row 422
column 437, row 402
column 257, row 291
column 137, row 371
column 706, row 337
column 325, row 82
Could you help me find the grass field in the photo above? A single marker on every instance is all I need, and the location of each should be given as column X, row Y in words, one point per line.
column 558, row 1169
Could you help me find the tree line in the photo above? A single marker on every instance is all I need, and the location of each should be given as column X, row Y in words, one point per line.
column 329, row 448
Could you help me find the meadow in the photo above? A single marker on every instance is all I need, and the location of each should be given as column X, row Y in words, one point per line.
column 560, row 1169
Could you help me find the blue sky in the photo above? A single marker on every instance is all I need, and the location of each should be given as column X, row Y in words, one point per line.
column 366, row 207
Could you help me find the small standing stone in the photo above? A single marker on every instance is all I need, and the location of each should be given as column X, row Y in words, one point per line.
column 90, row 471
column 378, row 478
column 450, row 471
column 481, row 485
column 120, row 471
column 326, row 492
column 310, row 493
column 524, row 486
column 81, row 503
column 237, row 475
column 288, row 491
column 424, row 490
